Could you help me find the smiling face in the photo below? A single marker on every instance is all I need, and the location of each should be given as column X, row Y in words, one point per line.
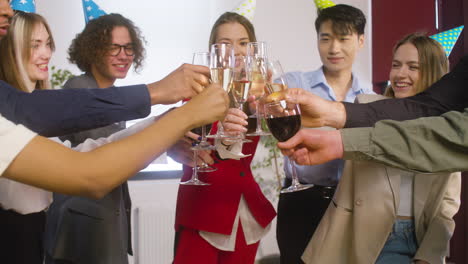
column 6, row 13
column 41, row 51
column 114, row 67
column 338, row 52
column 234, row 34
column 404, row 74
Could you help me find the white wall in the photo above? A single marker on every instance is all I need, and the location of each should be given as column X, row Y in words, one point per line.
column 177, row 28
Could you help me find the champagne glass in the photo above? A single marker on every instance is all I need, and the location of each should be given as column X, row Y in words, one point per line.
column 194, row 179
column 221, row 67
column 258, row 51
column 203, row 58
column 284, row 120
column 200, row 58
column 242, row 79
column 275, row 80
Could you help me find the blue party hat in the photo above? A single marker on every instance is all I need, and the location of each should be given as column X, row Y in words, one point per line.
column 448, row 38
column 91, row 10
column 28, row 6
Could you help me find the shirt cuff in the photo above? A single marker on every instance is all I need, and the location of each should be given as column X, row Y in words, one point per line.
column 356, row 115
column 356, row 143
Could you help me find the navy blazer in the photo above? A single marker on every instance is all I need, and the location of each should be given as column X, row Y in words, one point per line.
column 60, row 112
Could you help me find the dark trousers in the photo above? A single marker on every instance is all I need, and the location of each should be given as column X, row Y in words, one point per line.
column 50, row 260
column 21, row 237
column 299, row 214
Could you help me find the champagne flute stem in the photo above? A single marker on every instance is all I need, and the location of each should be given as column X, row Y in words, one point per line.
column 203, row 134
column 195, row 168
column 259, row 120
column 295, row 179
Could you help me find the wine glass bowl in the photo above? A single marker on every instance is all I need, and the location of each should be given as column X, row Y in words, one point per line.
column 222, row 64
column 284, row 121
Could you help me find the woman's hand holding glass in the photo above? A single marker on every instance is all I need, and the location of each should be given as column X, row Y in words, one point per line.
column 234, row 123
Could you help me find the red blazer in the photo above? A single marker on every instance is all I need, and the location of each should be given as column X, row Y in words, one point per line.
column 213, row 207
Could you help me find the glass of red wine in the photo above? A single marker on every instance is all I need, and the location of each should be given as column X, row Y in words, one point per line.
column 284, row 120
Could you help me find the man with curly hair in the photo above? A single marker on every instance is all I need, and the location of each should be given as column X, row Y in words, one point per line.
column 82, row 230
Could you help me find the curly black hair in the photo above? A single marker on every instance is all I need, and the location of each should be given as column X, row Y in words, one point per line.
column 92, row 44
column 346, row 19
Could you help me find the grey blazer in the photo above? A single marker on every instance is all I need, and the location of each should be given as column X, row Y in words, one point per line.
column 86, row 231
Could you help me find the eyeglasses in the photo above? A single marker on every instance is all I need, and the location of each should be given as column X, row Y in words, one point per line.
column 114, row 49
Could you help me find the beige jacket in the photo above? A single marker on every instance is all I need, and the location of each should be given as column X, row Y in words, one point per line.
column 358, row 221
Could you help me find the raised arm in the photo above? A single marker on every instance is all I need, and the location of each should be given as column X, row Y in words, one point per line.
column 430, row 144
column 51, row 166
column 448, row 94
column 61, row 112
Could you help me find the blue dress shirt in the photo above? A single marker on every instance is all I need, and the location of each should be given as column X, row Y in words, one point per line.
column 329, row 173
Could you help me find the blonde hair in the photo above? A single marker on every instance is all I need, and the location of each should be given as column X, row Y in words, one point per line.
column 433, row 63
column 15, row 50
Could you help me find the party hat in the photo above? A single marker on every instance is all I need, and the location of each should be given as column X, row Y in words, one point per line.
column 91, row 10
column 246, row 9
column 322, row 4
column 28, row 6
column 448, row 38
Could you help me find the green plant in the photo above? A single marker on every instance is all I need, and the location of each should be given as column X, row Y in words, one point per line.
column 59, row 77
column 270, row 161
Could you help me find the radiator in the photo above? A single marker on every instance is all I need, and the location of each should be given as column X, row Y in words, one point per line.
column 153, row 235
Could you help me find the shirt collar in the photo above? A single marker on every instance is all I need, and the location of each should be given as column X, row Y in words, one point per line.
column 317, row 77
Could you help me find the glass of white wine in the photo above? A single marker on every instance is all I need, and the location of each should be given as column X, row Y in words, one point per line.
column 242, row 80
column 275, row 79
column 258, row 52
column 221, row 67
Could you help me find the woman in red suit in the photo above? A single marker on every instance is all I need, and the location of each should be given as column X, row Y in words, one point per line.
column 223, row 222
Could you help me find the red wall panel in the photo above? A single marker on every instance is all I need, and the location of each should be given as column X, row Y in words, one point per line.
column 391, row 20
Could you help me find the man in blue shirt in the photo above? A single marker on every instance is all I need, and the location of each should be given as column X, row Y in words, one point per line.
column 340, row 34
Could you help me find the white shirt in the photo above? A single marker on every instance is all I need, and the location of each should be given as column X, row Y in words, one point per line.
column 252, row 230
column 13, row 138
column 26, row 199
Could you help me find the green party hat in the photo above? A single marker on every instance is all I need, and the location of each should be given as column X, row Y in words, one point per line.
column 322, row 4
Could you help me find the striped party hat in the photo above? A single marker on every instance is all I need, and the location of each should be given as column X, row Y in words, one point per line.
column 448, row 38
column 91, row 10
column 246, row 9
